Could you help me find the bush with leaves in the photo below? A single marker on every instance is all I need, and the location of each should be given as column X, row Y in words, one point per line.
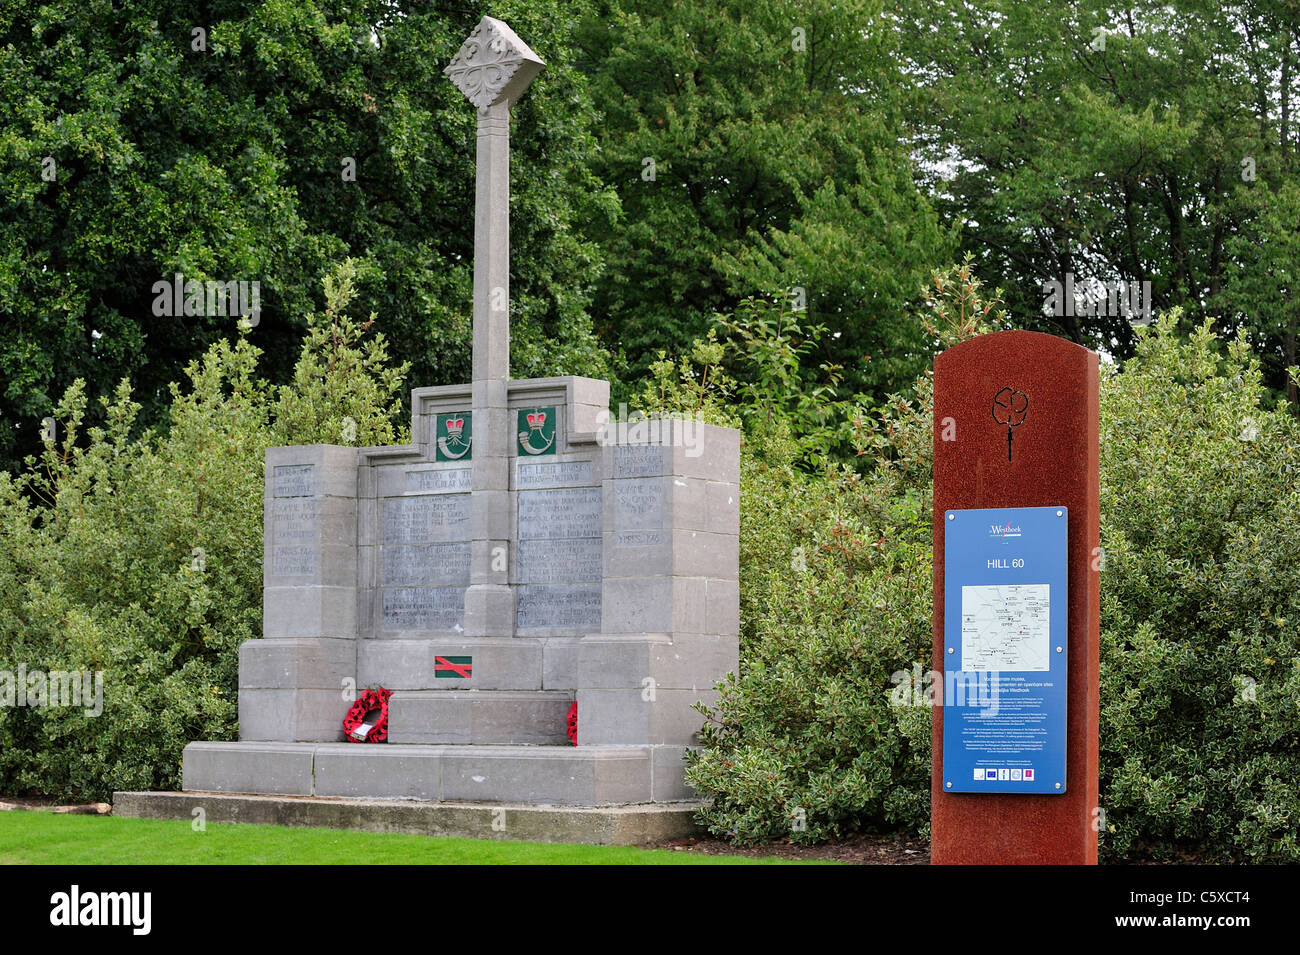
column 836, row 594
column 1200, row 653
column 140, row 555
column 835, row 597
column 1200, row 648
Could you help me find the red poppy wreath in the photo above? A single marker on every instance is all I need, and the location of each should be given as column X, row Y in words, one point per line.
column 367, row 720
column 571, row 724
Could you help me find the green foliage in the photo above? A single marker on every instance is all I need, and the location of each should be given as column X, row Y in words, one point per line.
column 1263, row 287
column 343, row 387
column 1200, row 688
column 770, row 349
column 774, row 132
column 1200, row 648
column 1176, row 167
column 227, row 156
column 692, row 386
column 140, row 555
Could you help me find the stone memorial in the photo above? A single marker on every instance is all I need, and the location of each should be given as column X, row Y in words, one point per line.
column 513, row 559
column 1016, row 599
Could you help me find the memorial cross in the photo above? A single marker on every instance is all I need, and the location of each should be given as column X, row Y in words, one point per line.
column 492, row 69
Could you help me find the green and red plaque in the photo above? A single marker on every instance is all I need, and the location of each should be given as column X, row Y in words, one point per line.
column 537, row 431
column 455, row 436
column 453, row 668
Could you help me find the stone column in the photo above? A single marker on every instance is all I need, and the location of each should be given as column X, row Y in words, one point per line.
column 492, row 68
column 489, row 602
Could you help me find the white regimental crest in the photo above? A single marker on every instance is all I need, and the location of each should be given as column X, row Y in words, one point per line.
column 493, row 65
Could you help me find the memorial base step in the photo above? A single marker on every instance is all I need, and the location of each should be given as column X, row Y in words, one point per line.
column 479, row 717
column 606, row 825
column 534, row 775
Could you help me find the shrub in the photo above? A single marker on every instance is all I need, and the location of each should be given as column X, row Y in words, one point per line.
column 1200, row 669
column 835, row 597
column 140, row 555
column 1200, row 648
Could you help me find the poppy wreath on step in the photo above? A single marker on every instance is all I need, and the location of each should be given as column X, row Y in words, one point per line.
column 371, row 712
column 571, row 724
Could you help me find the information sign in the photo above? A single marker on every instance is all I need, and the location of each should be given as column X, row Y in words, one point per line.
column 1005, row 650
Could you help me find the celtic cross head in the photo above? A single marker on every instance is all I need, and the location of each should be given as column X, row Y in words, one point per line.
column 493, row 65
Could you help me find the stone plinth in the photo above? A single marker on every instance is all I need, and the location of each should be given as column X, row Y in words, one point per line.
column 621, row 562
column 611, row 825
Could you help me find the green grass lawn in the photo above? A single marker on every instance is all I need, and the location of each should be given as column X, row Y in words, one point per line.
column 42, row 838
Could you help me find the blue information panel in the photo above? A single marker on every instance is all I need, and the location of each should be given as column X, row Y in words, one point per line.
column 1005, row 650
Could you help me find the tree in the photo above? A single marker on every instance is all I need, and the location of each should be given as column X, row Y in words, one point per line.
column 263, row 141
column 1263, row 287
column 1109, row 144
column 755, row 147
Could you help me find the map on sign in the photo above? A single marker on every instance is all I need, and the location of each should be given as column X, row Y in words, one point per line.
column 1005, row 627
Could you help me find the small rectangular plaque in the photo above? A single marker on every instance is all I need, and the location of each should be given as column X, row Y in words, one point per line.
column 426, row 518
column 559, row 561
column 638, row 538
column 554, row 474
column 453, row 668
column 560, row 512
column 424, row 608
column 293, row 520
column 294, row 480
column 426, row 565
column 638, row 460
column 293, row 561
column 441, row 481
column 454, row 436
column 572, row 607
column 536, row 431
column 638, row 505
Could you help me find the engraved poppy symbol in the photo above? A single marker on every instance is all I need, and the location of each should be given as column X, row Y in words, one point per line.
column 1010, row 408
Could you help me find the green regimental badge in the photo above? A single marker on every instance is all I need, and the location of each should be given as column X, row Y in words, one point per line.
column 455, row 436
column 537, row 431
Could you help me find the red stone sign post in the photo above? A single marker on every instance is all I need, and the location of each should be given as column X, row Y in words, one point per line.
column 1016, row 425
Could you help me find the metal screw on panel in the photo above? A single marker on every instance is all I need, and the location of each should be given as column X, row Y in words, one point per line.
column 950, row 785
column 1058, row 649
column 1059, row 513
column 950, row 649
column 1058, row 785
column 952, row 517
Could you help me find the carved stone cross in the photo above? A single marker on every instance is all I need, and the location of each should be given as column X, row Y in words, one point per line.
column 492, row 68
